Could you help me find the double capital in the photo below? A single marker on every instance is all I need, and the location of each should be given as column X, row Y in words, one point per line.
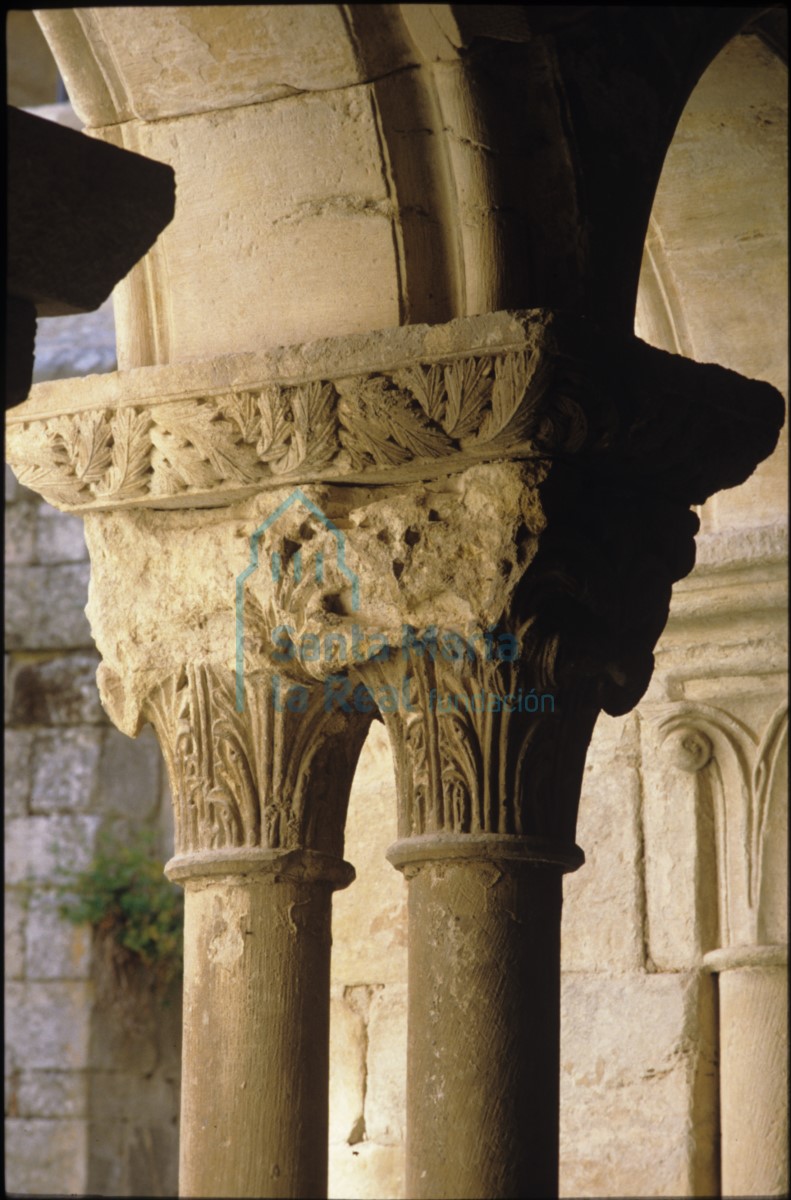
column 471, row 530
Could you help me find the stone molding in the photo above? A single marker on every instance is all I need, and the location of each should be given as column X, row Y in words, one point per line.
column 408, row 403
column 736, row 770
column 736, row 958
column 409, row 854
column 304, row 866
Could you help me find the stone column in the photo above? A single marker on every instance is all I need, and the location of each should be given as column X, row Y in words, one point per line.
column 473, row 528
column 484, row 999
column 753, row 1000
column 489, row 770
column 248, row 787
column 254, row 1089
column 740, row 792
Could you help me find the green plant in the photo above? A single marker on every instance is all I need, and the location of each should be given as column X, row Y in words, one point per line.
column 136, row 914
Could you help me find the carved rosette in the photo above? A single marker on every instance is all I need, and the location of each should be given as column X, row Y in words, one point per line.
column 274, row 777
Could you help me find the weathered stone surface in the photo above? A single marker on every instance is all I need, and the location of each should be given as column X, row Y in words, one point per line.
column 117, row 1046
column 275, row 52
column 17, row 761
column 64, row 769
column 367, row 1171
column 46, row 1157
column 385, row 1097
column 119, row 1096
column 348, row 1049
column 153, row 1157
column 629, row 1141
column 244, row 211
column 602, row 927
column 57, row 1094
column 45, row 607
column 55, row 691
column 48, row 1025
column 36, row 846
column 385, row 406
column 717, row 780
column 54, row 948
column 754, row 1080
column 638, row 1068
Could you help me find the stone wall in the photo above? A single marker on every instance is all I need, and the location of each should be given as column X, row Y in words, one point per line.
column 91, row 1103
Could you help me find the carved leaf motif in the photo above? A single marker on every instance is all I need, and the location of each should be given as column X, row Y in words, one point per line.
column 427, row 386
column 242, row 408
column 313, row 407
column 469, row 389
column 200, row 446
column 165, row 481
column 519, row 386
column 42, row 463
column 380, row 422
column 131, row 463
column 367, row 441
column 92, row 448
column 276, row 428
column 177, row 466
column 54, row 491
column 565, row 428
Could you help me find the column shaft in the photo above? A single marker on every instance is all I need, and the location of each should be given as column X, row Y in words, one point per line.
column 256, row 1037
column 754, row 1080
column 484, row 1023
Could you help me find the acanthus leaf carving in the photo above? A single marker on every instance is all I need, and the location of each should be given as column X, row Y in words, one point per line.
column 313, row 405
column 380, row 422
column 130, row 464
column 512, row 412
column 275, row 426
column 476, row 748
column 269, row 777
column 469, row 389
column 243, row 410
column 200, row 446
column 555, row 386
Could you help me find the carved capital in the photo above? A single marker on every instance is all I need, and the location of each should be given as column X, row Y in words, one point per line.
column 480, row 750
column 515, row 475
column 274, row 778
column 736, row 772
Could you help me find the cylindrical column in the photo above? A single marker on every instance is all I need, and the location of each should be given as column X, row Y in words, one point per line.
column 753, row 1001
column 255, row 1060
column 484, row 1015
